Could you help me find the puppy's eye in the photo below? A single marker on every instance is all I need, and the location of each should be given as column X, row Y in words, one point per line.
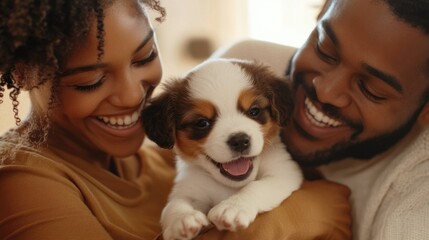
column 202, row 123
column 254, row 112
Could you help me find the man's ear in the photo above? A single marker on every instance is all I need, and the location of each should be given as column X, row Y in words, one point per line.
column 159, row 122
column 423, row 119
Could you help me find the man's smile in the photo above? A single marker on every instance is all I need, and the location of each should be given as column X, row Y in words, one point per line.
column 316, row 123
column 318, row 117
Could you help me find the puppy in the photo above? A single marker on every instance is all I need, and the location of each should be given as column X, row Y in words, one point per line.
column 223, row 120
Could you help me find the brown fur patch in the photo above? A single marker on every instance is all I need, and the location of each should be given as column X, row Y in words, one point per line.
column 275, row 88
column 189, row 138
column 250, row 98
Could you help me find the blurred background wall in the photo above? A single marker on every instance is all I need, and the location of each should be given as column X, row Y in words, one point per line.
column 194, row 29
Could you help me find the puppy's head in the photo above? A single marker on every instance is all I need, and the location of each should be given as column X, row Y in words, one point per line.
column 221, row 116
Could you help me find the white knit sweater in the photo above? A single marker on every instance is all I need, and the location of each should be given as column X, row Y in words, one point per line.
column 390, row 193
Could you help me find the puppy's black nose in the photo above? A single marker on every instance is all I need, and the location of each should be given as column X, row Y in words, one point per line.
column 239, row 142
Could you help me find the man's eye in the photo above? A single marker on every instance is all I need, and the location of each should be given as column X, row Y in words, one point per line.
column 323, row 55
column 91, row 87
column 371, row 96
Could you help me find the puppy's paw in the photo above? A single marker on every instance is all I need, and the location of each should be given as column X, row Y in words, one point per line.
column 185, row 226
column 231, row 215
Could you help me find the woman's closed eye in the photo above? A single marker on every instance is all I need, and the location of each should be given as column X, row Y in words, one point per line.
column 90, row 87
column 150, row 57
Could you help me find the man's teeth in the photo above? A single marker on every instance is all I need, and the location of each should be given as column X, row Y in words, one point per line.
column 317, row 117
column 123, row 121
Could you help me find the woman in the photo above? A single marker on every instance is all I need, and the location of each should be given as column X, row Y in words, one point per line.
column 75, row 169
column 86, row 96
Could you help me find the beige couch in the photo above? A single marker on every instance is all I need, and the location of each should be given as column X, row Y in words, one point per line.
column 273, row 54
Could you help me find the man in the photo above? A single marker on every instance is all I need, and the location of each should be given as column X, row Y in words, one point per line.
column 361, row 95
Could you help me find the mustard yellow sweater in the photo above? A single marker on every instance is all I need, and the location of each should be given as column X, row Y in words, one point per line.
column 51, row 194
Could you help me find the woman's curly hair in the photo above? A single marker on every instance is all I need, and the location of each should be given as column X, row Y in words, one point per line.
column 36, row 37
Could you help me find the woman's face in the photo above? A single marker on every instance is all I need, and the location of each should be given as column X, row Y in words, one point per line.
column 100, row 102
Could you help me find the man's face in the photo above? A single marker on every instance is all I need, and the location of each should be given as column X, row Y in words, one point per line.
column 359, row 83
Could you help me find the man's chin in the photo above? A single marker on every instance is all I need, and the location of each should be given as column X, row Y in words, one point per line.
column 360, row 150
column 321, row 157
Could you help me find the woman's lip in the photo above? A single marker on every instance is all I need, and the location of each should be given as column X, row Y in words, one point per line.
column 118, row 132
column 315, row 131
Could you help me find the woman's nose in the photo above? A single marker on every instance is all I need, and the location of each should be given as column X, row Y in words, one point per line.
column 128, row 92
column 333, row 89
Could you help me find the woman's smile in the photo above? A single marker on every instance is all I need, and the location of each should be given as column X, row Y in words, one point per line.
column 120, row 122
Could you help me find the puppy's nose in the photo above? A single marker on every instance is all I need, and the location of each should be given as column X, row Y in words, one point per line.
column 239, row 142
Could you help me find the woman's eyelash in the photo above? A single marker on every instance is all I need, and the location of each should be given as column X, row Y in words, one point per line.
column 149, row 59
column 92, row 87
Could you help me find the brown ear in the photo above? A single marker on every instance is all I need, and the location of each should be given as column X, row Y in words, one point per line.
column 158, row 120
column 281, row 100
column 424, row 115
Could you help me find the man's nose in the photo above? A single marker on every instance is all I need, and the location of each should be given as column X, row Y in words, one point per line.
column 333, row 89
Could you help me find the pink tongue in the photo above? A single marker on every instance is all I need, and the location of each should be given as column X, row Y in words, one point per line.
column 238, row 167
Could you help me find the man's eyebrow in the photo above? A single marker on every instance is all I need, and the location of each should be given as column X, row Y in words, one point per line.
column 330, row 32
column 93, row 67
column 387, row 78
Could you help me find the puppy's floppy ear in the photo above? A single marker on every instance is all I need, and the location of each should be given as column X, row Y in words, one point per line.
column 281, row 100
column 158, row 120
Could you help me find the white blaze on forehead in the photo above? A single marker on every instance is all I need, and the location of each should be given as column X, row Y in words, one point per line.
column 219, row 82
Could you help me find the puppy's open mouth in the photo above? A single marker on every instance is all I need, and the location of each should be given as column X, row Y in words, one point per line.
column 237, row 169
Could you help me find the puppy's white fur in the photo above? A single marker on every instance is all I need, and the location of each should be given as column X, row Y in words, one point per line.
column 201, row 194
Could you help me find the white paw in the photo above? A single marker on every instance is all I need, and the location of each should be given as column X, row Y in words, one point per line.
column 185, row 226
column 232, row 216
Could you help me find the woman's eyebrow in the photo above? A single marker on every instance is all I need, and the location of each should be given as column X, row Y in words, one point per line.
column 86, row 68
column 148, row 37
column 92, row 67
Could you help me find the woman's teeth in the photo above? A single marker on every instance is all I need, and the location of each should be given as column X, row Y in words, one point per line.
column 317, row 117
column 122, row 121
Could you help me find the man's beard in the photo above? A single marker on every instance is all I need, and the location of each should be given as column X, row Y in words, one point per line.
column 351, row 147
